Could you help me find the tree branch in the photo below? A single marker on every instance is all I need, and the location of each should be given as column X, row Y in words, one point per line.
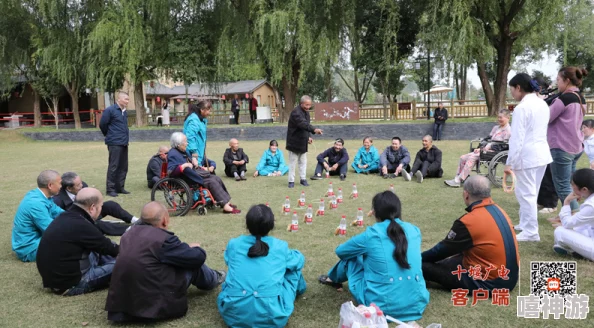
column 345, row 82
column 514, row 9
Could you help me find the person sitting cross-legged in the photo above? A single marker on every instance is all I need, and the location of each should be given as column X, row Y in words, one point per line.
column 272, row 163
column 481, row 243
column 383, row 264
column 74, row 257
column 395, row 160
column 337, row 163
column 34, row 214
column 367, row 158
column 428, row 161
column 264, row 276
column 154, row 269
column 72, row 184
column 575, row 235
column 153, row 169
column 235, row 161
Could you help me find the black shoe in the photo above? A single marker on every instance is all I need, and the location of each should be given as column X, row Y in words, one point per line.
column 124, row 191
column 316, row 177
column 304, row 183
column 221, row 276
column 291, row 184
column 112, row 194
column 342, row 177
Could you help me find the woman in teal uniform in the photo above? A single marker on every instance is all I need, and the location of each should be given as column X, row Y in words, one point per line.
column 367, row 159
column 272, row 162
column 264, row 276
column 383, row 264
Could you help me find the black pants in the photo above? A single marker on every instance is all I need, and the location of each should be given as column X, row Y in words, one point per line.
column 113, row 209
column 341, row 169
column 236, row 116
column 392, row 168
column 429, row 170
column 117, row 168
column 151, row 183
column 547, row 196
column 231, row 169
column 253, row 116
column 441, row 273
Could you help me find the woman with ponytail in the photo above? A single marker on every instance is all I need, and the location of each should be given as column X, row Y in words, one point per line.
column 264, row 276
column 383, row 264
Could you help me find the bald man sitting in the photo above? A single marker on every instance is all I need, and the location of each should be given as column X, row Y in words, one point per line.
column 74, row 257
column 153, row 169
column 235, row 161
column 34, row 214
column 154, row 270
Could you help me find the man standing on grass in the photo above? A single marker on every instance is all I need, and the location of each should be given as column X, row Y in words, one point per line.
column 298, row 137
column 114, row 126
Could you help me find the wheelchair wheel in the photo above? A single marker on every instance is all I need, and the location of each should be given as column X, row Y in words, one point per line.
column 176, row 194
column 496, row 167
column 202, row 210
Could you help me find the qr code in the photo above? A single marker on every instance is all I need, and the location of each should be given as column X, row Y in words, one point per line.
column 553, row 278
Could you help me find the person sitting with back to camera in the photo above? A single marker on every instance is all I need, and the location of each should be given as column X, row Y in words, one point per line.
column 490, row 145
column 367, row 158
column 272, row 163
column 395, row 160
column 337, row 163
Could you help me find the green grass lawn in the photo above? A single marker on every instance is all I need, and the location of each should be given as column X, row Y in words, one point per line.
column 431, row 206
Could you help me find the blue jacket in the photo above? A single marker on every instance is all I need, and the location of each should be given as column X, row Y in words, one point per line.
column 114, row 126
column 33, row 216
column 260, row 291
column 195, row 131
column 396, row 157
column 385, row 282
column 370, row 157
column 272, row 162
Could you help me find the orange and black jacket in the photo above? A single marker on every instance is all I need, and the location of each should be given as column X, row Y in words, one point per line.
column 485, row 237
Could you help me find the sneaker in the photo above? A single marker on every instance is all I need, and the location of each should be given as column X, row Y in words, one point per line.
column 548, row 210
column 304, row 183
column 392, row 176
column 221, row 276
column 560, row 250
column 291, row 184
column 518, row 228
column 124, row 192
column 452, row 183
column 342, row 177
column 237, row 178
column 385, row 176
column 316, row 177
column 405, row 175
column 242, row 177
column 419, row 176
column 524, row 237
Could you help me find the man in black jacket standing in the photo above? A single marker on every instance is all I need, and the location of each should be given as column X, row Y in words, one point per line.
column 114, row 126
column 298, row 137
column 74, row 257
column 427, row 162
column 440, row 116
column 235, row 161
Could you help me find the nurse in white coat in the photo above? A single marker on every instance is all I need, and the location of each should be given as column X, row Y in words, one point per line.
column 528, row 151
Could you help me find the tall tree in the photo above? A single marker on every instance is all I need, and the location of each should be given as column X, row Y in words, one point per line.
column 492, row 32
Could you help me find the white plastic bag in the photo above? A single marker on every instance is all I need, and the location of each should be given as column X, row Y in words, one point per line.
column 361, row 317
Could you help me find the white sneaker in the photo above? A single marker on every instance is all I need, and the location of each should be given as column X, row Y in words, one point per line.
column 452, row 183
column 548, row 210
column 523, row 237
column 517, row 227
column 405, row 175
column 419, row 176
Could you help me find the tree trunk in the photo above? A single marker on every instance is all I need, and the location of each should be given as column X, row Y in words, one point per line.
column 73, row 92
column 482, row 72
column 279, row 103
column 139, row 104
column 464, row 83
column 328, row 80
column 36, row 109
column 503, row 64
column 290, row 90
column 55, row 101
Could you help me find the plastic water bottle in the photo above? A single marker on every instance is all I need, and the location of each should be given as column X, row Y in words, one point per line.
column 392, row 188
column 355, row 192
column 327, row 175
column 342, row 227
column 295, row 222
column 330, row 189
column 333, row 202
column 321, row 208
column 359, row 217
column 301, row 202
column 287, row 206
column 309, row 215
column 339, row 195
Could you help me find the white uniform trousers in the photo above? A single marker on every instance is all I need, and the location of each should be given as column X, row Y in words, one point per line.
column 527, row 186
column 575, row 241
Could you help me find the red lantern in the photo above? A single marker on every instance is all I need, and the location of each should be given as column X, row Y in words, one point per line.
column 223, row 97
column 179, row 100
column 247, row 95
column 158, row 99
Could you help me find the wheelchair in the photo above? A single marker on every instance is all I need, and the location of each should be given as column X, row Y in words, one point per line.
column 179, row 198
column 493, row 162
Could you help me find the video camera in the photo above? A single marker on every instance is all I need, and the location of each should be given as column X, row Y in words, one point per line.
column 551, row 96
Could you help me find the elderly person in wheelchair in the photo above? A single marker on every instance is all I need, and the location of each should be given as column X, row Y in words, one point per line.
column 179, row 165
column 488, row 147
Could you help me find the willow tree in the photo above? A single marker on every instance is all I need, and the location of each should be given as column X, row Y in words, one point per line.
column 492, row 32
column 288, row 37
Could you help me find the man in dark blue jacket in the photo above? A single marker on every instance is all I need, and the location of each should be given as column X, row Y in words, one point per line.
column 114, row 126
column 337, row 163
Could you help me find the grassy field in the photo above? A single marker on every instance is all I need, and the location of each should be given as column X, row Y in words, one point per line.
column 431, row 206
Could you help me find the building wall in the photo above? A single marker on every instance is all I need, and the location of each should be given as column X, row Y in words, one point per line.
column 265, row 96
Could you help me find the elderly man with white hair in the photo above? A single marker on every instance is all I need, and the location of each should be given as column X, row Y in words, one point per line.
column 34, row 215
column 153, row 169
column 235, row 160
column 180, row 165
column 298, row 137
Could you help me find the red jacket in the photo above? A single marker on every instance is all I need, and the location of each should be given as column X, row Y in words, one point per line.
column 253, row 104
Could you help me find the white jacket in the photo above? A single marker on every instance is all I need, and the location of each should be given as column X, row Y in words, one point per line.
column 582, row 221
column 528, row 147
